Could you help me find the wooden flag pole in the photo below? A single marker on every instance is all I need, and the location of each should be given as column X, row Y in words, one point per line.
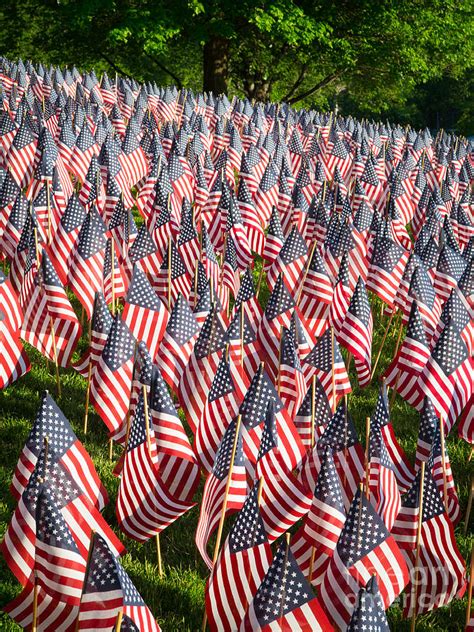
column 112, row 267
column 367, row 457
column 382, row 345
column 443, row 463
column 196, row 282
column 468, row 508
column 241, row 326
column 111, row 448
column 148, row 445
column 34, row 625
column 224, row 506
column 118, row 620
column 418, row 542
column 88, row 563
column 48, row 205
column 279, row 362
column 469, row 590
column 88, row 387
column 333, row 377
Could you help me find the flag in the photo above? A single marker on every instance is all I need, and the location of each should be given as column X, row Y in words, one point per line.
column 291, row 381
column 244, row 350
column 341, row 296
column 20, row 157
column 313, row 415
column 112, row 377
column 386, row 269
column 178, row 467
column 365, row 549
column 356, row 332
column 316, row 295
column 289, row 263
column 239, row 569
column 101, row 323
column 274, row 240
column 144, row 313
column 284, row 600
column 84, row 149
column 405, row 369
column 178, row 342
column 59, row 566
column 440, row 572
column 113, row 281
column 247, row 297
column 369, row 612
column 447, row 376
column 315, row 541
column 266, row 196
column 145, row 507
column 87, row 263
column 107, row 591
column 217, row 484
column 64, row 447
column 14, row 361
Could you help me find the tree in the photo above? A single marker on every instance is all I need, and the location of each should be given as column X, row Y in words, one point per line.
column 300, row 51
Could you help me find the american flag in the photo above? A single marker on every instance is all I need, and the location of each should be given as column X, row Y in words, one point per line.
column 201, row 368
column 405, row 369
column 466, row 424
column 144, row 504
column 236, row 230
column 230, row 278
column 113, row 281
column 277, row 314
column 250, row 218
column 240, row 567
column 247, row 297
column 314, row 543
column 291, row 381
column 386, row 269
column 132, row 159
column 112, row 377
column 67, row 329
column 222, row 406
column 447, row 377
column 289, row 263
column 449, row 270
column 64, row 447
column 14, row 361
column 382, row 482
column 59, row 566
column 87, row 263
column 84, row 148
column 320, row 362
column 440, row 564
column 341, row 296
column 421, row 289
column 14, row 224
column 316, row 295
column 101, row 323
column 144, row 253
column 266, row 196
column 313, row 415
column 369, row 612
column 21, row 155
column 227, row 483
column 285, row 600
column 458, row 310
column 178, row 342
column 179, row 469
column 356, row 332
column 108, row 590
column 274, row 240
column 244, row 350
column 64, row 240
column 144, row 313
column 365, row 549
column 81, row 516
column 188, row 240
column 180, row 181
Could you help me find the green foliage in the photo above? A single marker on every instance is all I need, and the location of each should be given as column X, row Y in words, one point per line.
column 177, row 599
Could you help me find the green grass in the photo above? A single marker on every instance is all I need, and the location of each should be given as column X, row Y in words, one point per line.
column 177, row 599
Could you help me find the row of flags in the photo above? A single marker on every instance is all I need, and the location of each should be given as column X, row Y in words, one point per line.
column 234, row 200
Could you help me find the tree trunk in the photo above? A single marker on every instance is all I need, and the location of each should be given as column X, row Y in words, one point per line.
column 216, row 65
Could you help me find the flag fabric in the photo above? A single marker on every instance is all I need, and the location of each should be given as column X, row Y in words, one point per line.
column 284, row 599
column 440, row 563
column 365, row 549
column 217, row 484
column 356, row 332
column 101, row 323
column 144, row 504
column 107, row 591
column 291, row 381
column 314, row 543
column 313, row 415
column 369, row 612
column 289, row 263
column 386, row 269
column 239, row 569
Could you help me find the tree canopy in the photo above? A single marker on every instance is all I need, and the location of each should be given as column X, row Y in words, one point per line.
column 374, row 57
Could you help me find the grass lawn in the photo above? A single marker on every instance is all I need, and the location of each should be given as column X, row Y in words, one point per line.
column 177, row 599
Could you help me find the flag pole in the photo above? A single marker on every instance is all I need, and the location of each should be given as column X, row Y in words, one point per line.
column 443, row 463
column 285, row 579
column 469, row 590
column 313, row 419
column 118, row 620
column 279, row 362
column 367, row 462
column 241, row 326
column 48, row 204
column 418, row 542
column 224, row 507
column 148, row 445
column 88, row 387
column 333, row 377
column 195, row 282
column 382, row 344
column 55, row 353
column 34, row 625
